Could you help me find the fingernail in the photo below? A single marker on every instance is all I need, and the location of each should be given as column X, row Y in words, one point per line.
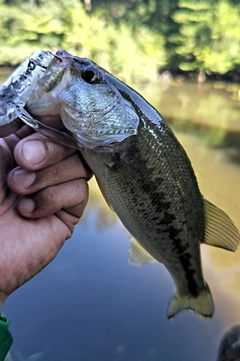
column 34, row 151
column 27, row 205
column 23, row 178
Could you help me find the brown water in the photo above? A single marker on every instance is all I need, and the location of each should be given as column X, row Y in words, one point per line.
column 90, row 304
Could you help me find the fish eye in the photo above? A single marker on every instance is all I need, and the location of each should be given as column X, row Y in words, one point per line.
column 89, row 75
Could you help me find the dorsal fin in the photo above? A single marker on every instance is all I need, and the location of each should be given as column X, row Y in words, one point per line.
column 138, row 255
column 220, row 231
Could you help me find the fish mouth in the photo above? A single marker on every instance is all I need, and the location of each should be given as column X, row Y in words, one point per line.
column 108, row 143
column 107, row 137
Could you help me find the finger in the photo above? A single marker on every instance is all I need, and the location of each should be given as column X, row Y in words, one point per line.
column 6, row 164
column 53, row 121
column 26, row 182
column 37, row 152
column 21, row 130
column 13, row 139
column 10, row 128
column 16, row 130
column 70, row 196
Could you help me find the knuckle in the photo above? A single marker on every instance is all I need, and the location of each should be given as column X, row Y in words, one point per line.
column 82, row 187
column 51, row 194
column 55, row 170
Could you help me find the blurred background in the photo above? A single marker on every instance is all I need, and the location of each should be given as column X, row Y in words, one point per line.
column 135, row 39
column 89, row 304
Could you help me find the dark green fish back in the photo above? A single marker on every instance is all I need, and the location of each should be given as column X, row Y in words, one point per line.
column 151, row 176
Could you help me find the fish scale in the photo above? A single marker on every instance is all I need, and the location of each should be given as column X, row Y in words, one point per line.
column 143, row 172
column 162, row 219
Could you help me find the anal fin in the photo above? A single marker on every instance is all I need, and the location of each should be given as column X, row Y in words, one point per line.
column 138, row 255
column 220, row 230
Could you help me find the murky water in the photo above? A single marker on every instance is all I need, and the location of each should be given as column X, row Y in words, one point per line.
column 89, row 304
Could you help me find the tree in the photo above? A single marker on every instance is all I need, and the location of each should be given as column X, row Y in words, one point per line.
column 209, row 35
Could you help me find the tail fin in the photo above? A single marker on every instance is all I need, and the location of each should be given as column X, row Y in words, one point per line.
column 202, row 304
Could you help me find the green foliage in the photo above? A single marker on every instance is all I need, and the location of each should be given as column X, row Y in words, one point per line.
column 225, row 51
column 133, row 38
column 131, row 53
column 209, row 35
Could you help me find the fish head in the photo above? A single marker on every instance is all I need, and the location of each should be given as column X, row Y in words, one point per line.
column 90, row 105
column 93, row 109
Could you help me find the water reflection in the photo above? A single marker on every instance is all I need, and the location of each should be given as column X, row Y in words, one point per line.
column 89, row 304
column 209, row 109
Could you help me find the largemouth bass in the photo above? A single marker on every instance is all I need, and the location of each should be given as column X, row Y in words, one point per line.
column 143, row 172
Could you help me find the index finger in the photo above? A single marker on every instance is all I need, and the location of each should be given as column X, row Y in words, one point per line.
column 36, row 152
column 10, row 128
column 16, row 130
column 53, row 121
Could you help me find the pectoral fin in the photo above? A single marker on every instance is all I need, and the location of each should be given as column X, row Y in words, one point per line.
column 220, row 230
column 138, row 255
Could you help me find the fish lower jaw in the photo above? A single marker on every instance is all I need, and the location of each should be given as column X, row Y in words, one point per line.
column 94, row 140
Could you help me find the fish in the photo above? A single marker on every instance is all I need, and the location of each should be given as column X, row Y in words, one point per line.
column 16, row 89
column 144, row 174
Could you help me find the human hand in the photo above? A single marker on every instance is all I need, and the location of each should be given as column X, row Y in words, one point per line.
column 43, row 193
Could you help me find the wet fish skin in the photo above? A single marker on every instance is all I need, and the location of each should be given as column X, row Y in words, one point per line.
column 148, row 180
column 158, row 201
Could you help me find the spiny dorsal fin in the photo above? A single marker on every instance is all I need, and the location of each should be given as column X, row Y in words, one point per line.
column 138, row 255
column 220, row 230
